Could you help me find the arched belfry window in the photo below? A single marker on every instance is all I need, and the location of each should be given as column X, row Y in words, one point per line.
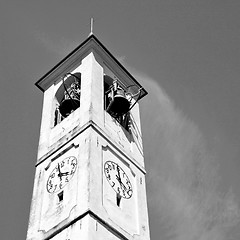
column 108, row 82
column 117, row 101
column 67, row 96
column 120, row 99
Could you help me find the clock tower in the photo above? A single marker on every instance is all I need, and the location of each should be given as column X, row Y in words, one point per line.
column 90, row 176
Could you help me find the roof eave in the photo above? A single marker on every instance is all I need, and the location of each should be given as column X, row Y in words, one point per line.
column 92, row 36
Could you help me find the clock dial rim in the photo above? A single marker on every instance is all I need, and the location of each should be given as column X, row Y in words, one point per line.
column 54, row 171
column 113, row 187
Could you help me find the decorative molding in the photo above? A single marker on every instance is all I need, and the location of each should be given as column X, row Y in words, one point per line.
column 60, row 154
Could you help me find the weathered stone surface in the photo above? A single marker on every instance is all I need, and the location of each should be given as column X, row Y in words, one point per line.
column 88, row 207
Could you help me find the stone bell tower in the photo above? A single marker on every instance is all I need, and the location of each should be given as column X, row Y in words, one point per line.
column 90, row 176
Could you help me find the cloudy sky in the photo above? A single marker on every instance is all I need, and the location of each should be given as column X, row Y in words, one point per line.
column 186, row 54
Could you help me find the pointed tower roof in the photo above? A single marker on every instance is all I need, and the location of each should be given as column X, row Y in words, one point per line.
column 74, row 57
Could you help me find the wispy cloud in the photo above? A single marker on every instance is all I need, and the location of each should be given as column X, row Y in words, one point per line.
column 121, row 59
column 184, row 200
column 58, row 45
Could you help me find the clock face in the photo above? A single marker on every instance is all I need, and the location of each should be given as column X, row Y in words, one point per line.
column 61, row 174
column 118, row 179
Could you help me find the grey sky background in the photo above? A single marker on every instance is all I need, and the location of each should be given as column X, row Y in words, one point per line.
column 185, row 53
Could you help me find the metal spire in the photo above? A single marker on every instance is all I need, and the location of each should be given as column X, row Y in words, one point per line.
column 91, row 26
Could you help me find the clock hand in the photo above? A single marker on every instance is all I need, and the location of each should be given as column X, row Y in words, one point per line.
column 122, row 185
column 65, row 173
column 59, row 172
column 118, row 176
column 120, row 180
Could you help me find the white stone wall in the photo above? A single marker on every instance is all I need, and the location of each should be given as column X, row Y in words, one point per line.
column 93, row 137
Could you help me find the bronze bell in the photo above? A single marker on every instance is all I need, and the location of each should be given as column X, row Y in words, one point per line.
column 119, row 104
column 68, row 105
column 71, row 99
